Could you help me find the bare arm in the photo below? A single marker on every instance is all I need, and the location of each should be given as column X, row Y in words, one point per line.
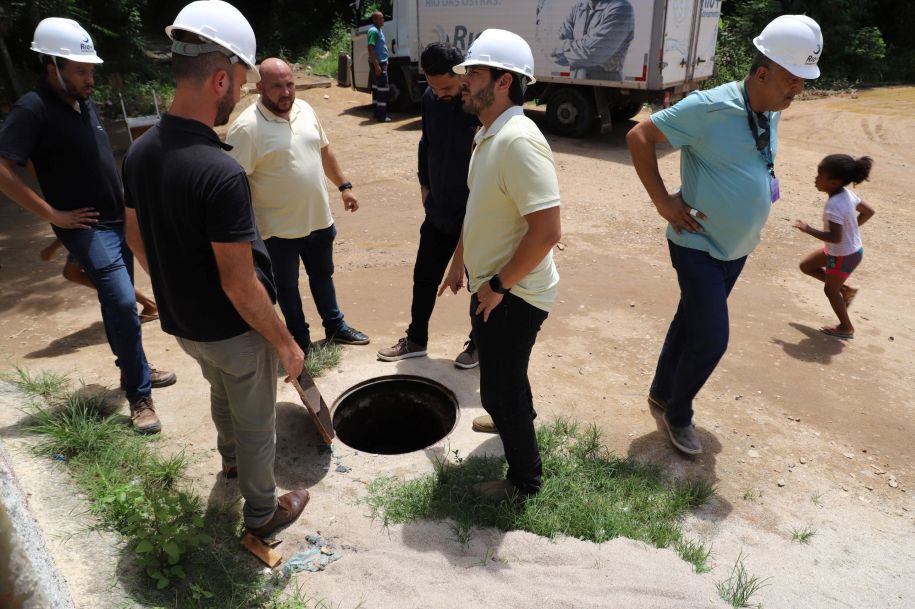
column 454, row 280
column 134, row 237
column 543, row 232
column 643, row 140
column 332, row 170
column 250, row 299
column 13, row 187
column 833, row 235
column 865, row 212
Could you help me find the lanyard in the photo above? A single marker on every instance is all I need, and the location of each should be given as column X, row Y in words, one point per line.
column 754, row 129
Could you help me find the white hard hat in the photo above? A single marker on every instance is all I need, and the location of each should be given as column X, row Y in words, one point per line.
column 219, row 22
column 794, row 42
column 502, row 50
column 65, row 38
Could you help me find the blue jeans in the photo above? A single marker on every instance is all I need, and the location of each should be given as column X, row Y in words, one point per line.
column 698, row 335
column 504, row 344
column 104, row 256
column 316, row 251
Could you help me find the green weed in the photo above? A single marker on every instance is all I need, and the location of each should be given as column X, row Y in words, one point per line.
column 803, row 535
column 740, row 586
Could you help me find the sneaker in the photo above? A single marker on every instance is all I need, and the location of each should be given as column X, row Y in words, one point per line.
column 348, row 336
column 684, row 438
column 289, row 507
column 157, row 378
column 404, row 349
column 468, row 358
column 143, row 415
column 484, row 424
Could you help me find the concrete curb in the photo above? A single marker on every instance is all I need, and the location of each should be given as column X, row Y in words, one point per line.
column 29, row 578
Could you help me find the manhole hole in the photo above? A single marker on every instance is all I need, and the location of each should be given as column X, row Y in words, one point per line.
column 394, row 415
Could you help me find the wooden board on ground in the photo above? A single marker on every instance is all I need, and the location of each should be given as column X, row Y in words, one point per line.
column 261, row 550
column 315, row 405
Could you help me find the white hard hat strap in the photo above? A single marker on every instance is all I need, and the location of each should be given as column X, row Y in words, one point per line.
column 60, row 78
column 189, row 49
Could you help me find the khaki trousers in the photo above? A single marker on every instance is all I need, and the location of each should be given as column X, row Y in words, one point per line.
column 242, row 376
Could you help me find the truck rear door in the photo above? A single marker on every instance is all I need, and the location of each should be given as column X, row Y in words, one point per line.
column 678, row 41
column 706, row 39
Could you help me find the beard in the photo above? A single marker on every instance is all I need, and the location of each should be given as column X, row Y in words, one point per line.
column 275, row 106
column 226, row 104
column 479, row 101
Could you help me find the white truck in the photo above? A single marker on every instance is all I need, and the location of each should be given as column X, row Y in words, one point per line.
column 595, row 60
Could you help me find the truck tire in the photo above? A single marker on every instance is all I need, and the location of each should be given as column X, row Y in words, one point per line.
column 619, row 114
column 399, row 96
column 570, row 111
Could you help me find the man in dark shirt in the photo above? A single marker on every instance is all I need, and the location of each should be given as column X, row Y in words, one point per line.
column 444, row 156
column 57, row 128
column 188, row 202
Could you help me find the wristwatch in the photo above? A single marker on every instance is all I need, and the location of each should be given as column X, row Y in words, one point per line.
column 495, row 284
column 345, row 186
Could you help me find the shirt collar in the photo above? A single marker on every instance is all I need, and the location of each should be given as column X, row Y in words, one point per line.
column 270, row 116
column 45, row 89
column 497, row 124
column 170, row 122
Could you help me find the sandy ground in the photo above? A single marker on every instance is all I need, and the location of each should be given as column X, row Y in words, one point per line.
column 790, row 414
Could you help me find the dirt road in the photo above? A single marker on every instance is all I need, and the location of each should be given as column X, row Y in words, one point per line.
column 790, row 415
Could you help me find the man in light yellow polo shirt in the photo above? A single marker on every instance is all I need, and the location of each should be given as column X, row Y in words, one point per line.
column 283, row 148
column 510, row 227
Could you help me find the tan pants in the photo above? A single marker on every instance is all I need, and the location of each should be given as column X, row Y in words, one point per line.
column 242, row 376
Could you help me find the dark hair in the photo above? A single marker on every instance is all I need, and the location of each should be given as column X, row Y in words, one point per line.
column 197, row 68
column 760, row 61
column 516, row 90
column 849, row 170
column 439, row 58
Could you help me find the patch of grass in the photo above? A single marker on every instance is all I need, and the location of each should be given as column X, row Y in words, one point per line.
column 817, row 499
column 740, row 586
column 45, row 385
column 802, row 535
column 322, row 356
column 178, row 553
column 752, row 495
column 587, row 493
column 695, row 553
column 322, row 58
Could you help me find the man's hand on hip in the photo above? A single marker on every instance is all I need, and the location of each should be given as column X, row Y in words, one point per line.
column 680, row 215
column 489, row 300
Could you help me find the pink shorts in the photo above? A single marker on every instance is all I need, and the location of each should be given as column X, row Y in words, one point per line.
column 843, row 266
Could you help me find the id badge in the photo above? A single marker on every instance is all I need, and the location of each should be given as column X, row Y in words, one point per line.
column 774, row 189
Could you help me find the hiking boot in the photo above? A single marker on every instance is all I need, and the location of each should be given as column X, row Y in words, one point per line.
column 157, row 378
column 468, row 358
column 348, row 336
column 484, row 424
column 143, row 415
column 497, row 490
column 289, row 507
column 657, row 402
column 404, row 349
column 684, row 438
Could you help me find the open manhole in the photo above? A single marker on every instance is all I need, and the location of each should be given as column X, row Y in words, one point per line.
column 394, row 415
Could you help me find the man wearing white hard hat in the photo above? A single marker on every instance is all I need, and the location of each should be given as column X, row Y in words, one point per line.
column 56, row 127
column 728, row 139
column 190, row 206
column 511, row 224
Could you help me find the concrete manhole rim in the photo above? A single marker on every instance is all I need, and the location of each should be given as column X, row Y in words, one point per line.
column 387, row 378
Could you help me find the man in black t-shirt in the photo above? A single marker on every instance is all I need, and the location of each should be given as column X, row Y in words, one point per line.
column 57, row 129
column 188, row 202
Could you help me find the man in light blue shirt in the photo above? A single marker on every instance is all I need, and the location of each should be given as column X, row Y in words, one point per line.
column 727, row 138
column 378, row 67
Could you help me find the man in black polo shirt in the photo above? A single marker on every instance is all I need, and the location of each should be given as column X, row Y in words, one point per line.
column 57, row 128
column 444, row 156
column 189, row 204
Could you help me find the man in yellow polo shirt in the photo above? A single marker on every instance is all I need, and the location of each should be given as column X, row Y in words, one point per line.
column 283, row 148
column 510, row 227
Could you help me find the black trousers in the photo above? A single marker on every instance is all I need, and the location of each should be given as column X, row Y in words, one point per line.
column 504, row 344
column 435, row 250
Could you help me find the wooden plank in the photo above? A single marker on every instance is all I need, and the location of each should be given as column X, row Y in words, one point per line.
column 315, row 405
column 261, row 550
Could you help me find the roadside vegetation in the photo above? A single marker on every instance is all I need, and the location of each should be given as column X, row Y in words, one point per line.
column 178, row 552
column 587, row 493
column 740, row 586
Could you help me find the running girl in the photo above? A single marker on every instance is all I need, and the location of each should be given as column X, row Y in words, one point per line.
column 843, row 250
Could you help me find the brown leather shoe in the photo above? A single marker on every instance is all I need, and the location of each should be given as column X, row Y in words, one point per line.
column 143, row 416
column 484, row 424
column 288, row 510
column 157, row 378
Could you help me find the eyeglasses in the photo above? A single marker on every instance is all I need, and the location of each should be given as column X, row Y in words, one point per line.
column 762, row 140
